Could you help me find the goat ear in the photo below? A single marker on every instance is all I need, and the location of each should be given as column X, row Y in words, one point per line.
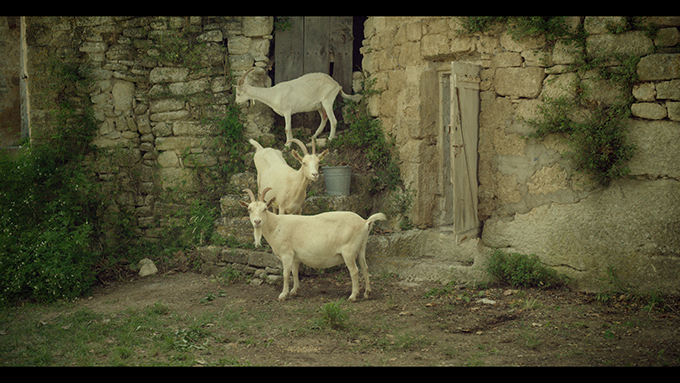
column 271, row 201
column 244, row 204
column 296, row 155
column 322, row 155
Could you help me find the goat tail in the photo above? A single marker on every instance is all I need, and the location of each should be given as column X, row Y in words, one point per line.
column 255, row 144
column 376, row 217
column 354, row 97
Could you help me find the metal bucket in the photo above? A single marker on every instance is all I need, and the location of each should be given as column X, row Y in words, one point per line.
column 337, row 179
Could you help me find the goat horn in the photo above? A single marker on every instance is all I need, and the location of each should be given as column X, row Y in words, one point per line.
column 313, row 146
column 243, row 77
column 263, row 193
column 300, row 144
column 250, row 193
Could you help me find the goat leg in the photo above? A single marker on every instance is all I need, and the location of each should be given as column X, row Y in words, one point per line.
column 296, row 279
column 331, row 117
column 287, row 262
column 289, row 130
column 364, row 270
column 324, row 119
column 354, row 274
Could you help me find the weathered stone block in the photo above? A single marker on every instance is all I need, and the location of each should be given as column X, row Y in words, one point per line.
column 537, row 58
column 634, row 43
column 565, row 53
column 507, row 59
column 170, row 116
column 519, row 82
column 435, row 45
column 632, row 225
column 648, row 110
column 168, row 159
column 189, row 87
column 210, row 36
column 178, row 143
column 599, row 24
column 659, row 67
column 667, row 37
column 93, row 47
column 166, row 105
column 657, row 148
column 645, row 91
column 258, row 25
column 668, row 90
column 178, row 179
column 673, row 110
column 162, row 74
column 241, row 62
column 523, row 44
column 561, row 85
column 123, row 94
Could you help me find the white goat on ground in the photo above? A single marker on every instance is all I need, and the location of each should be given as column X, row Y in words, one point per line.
column 320, row 241
column 289, row 185
column 307, row 93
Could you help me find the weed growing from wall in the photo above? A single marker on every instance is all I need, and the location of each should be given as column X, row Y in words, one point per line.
column 597, row 138
column 598, row 143
column 553, row 27
column 366, row 134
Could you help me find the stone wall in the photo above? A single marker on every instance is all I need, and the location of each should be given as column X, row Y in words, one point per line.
column 160, row 83
column 152, row 104
column 530, row 198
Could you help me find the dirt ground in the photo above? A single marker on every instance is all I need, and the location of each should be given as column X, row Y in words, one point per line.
column 400, row 326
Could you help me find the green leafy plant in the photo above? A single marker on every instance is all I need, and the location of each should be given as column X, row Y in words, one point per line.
column 50, row 203
column 197, row 224
column 438, row 292
column 400, row 203
column 230, row 143
column 553, row 27
column 333, row 315
column 520, row 270
column 598, row 143
column 365, row 133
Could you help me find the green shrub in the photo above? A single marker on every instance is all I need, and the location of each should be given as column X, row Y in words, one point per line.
column 49, row 205
column 598, row 144
column 519, row 270
column 366, row 134
column 332, row 315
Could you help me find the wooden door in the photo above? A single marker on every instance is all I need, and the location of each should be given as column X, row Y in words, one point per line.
column 315, row 44
column 460, row 139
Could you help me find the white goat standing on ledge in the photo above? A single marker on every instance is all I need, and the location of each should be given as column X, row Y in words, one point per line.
column 313, row 91
column 320, row 241
column 289, row 185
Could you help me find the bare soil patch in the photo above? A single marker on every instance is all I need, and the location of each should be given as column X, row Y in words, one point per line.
column 400, row 326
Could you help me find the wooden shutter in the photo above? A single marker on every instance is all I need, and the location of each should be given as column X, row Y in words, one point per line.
column 464, row 137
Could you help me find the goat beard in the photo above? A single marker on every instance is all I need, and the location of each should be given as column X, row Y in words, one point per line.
column 257, row 232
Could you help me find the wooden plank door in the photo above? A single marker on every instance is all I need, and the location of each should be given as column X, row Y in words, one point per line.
column 315, row 44
column 464, row 138
column 341, row 40
column 289, row 51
